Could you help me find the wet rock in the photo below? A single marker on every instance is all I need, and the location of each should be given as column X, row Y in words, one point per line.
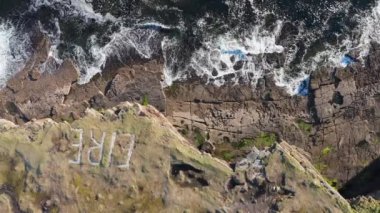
column 337, row 114
column 35, row 75
column 238, row 65
column 32, row 94
column 138, row 83
column 337, row 98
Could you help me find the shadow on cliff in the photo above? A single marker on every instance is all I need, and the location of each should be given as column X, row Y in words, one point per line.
column 364, row 183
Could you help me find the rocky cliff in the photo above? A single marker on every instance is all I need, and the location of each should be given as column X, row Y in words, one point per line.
column 337, row 123
column 130, row 158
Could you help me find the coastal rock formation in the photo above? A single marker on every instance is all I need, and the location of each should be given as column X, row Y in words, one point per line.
column 131, row 158
column 31, row 94
column 282, row 179
column 337, row 123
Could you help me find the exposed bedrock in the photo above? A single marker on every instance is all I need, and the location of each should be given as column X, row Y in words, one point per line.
column 131, row 159
column 31, row 94
column 336, row 124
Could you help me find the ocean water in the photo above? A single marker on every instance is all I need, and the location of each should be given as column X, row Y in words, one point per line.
column 221, row 41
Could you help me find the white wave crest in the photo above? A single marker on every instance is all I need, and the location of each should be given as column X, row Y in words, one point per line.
column 13, row 51
column 91, row 59
column 78, row 8
column 169, row 49
column 227, row 55
column 290, row 84
column 121, row 44
column 370, row 30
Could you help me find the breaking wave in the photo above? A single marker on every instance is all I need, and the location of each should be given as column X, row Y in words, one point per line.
column 370, row 28
column 13, row 51
column 221, row 42
column 235, row 57
column 121, row 43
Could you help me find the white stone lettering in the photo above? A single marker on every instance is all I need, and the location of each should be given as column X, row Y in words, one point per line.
column 113, row 139
column 129, row 155
column 80, row 147
column 99, row 146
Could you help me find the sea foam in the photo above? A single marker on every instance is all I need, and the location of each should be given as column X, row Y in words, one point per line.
column 226, row 57
column 13, row 51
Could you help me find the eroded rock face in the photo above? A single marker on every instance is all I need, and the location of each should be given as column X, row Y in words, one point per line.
column 282, row 179
column 337, row 123
column 31, row 94
column 130, row 158
column 232, row 112
column 346, row 110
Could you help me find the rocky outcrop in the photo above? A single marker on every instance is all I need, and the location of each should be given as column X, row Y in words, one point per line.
column 33, row 94
column 130, row 158
column 282, row 179
column 365, row 205
column 337, row 123
column 233, row 112
column 346, row 119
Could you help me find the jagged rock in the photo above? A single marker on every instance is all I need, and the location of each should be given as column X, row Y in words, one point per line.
column 136, row 83
column 31, row 94
column 208, row 147
column 141, row 163
column 341, row 112
column 34, row 99
column 365, row 205
column 290, row 195
column 342, row 108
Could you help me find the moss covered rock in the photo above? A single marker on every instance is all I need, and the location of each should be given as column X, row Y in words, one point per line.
column 131, row 159
column 127, row 158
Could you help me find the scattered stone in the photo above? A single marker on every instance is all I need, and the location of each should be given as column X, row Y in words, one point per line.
column 208, row 147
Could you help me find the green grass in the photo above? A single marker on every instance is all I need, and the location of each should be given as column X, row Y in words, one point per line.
column 229, row 151
column 321, row 167
column 227, row 155
column 265, row 140
column 326, row 151
column 332, row 182
column 198, row 137
column 305, row 127
column 245, row 142
column 145, row 100
column 261, row 141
